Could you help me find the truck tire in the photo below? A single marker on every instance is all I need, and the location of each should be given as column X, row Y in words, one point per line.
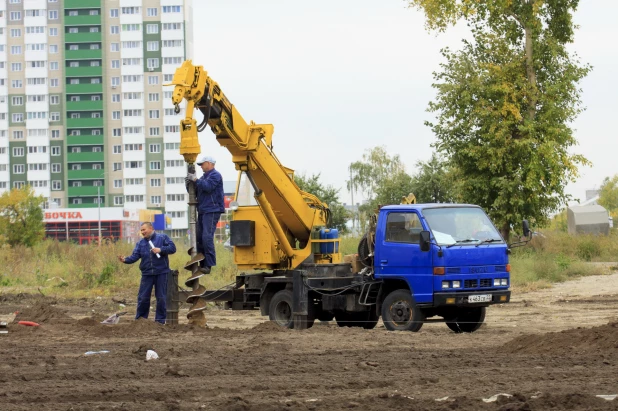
column 364, row 251
column 467, row 321
column 400, row 313
column 280, row 310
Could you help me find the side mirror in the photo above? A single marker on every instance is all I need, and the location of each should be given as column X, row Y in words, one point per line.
column 526, row 228
column 425, row 240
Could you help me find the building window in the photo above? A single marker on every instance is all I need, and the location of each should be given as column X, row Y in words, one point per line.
column 53, row 31
column 113, row 13
column 15, row 66
column 18, row 135
column 170, row 9
column 18, row 117
column 56, row 185
column 117, row 149
column 97, row 167
column 76, row 150
column 117, row 183
column 115, row 46
column 115, row 81
column 115, row 115
column 53, row 48
column 155, row 182
column 115, row 64
column 19, row 152
column 19, row 169
column 115, row 29
column 56, row 168
column 118, row 200
column 15, row 49
column 117, row 132
column 55, row 134
column 54, row 82
column 152, row 63
column 94, row 12
column 94, row 47
column 15, row 32
column 96, row 149
column 115, row 98
column 117, row 166
column 15, row 15
column 153, row 113
column 152, row 46
column 155, row 165
column 151, row 12
column 54, row 116
column 55, row 151
column 53, row 14
column 154, row 131
column 54, row 100
column 153, row 96
column 95, row 63
column 16, row 84
column 53, row 65
column 152, row 28
column 155, row 148
column 17, row 101
column 95, row 97
column 155, row 200
column 152, row 80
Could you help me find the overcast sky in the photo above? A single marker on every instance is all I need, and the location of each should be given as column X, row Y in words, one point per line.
column 338, row 77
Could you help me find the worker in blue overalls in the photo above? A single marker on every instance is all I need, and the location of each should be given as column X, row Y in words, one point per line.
column 209, row 210
column 153, row 250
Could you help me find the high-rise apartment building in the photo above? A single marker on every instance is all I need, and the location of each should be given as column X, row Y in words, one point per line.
column 84, row 116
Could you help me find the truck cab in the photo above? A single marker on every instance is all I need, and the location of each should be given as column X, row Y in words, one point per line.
column 444, row 260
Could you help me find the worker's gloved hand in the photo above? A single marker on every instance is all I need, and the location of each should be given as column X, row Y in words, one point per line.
column 190, row 178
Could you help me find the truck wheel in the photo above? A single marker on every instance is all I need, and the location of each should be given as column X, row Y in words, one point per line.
column 280, row 309
column 363, row 251
column 399, row 313
column 467, row 321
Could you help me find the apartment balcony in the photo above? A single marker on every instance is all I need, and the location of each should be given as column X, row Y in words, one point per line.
column 83, row 20
column 85, row 54
column 84, row 88
column 86, row 157
column 85, row 105
column 85, row 140
column 84, row 71
column 82, row 4
column 86, row 174
column 83, row 37
column 86, row 191
column 85, row 122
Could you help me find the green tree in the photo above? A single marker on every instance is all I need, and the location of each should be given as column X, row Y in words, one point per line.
column 505, row 102
column 434, row 181
column 327, row 194
column 21, row 217
column 608, row 194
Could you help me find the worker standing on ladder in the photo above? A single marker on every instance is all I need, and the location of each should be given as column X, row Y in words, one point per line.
column 209, row 209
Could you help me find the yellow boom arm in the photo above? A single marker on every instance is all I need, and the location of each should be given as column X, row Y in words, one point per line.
column 289, row 214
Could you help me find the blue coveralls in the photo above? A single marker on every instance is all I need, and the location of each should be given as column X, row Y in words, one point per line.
column 154, row 273
column 210, row 207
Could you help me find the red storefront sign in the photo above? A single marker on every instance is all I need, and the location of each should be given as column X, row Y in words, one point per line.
column 71, row 215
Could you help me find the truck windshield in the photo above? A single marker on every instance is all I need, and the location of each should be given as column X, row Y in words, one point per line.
column 461, row 225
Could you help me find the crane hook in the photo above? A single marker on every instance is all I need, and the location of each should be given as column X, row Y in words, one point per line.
column 176, row 109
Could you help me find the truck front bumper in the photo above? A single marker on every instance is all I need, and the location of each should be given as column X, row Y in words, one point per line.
column 458, row 299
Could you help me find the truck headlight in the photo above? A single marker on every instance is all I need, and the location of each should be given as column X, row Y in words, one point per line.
column 445, row 284
column 504, row 281
column 496, row 282
column 456, row 284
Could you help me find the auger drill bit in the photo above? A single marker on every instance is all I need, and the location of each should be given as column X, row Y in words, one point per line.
column 196, row 314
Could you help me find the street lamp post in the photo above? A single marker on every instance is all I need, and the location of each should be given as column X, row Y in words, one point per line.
column 99, row 206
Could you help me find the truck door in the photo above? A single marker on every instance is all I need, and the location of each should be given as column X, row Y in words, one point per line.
column 398, row 254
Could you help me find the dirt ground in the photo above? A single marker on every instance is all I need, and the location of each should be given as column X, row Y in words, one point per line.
column 555, row 349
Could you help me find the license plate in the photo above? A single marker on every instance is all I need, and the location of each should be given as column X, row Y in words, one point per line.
column 483, row 298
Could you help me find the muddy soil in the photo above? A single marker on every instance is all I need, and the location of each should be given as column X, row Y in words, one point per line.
column 555, row 349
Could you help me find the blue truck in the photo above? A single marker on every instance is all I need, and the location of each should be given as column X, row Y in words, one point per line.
column 419, row 263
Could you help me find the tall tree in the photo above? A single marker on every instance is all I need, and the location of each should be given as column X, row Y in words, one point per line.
column 434, row 181
column 505, row 102
column 21, row 217
column 608, row 194
column 327, row 194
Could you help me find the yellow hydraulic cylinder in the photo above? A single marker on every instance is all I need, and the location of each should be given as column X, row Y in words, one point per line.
column 274, row 224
